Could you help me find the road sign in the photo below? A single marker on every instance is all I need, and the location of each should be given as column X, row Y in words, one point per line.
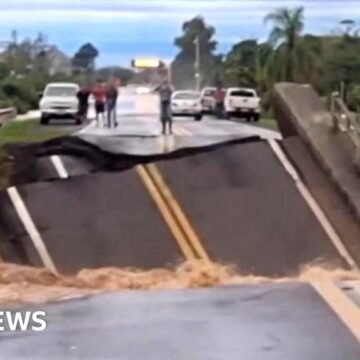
column 146, row 63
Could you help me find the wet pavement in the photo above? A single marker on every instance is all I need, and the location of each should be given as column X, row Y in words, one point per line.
column 235, row 208
column 241, row 203
column 141, row 135
column 277, row 322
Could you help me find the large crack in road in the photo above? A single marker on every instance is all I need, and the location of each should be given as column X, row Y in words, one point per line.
column 94, row 214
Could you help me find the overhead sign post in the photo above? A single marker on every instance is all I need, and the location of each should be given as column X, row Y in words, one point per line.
column 155, row 64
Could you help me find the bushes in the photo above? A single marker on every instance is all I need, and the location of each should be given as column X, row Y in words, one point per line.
column 354, row 98
column 19, row 94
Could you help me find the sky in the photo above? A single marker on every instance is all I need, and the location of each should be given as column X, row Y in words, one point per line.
column 124, row 29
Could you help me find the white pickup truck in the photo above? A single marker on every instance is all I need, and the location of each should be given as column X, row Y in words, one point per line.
column 59, row 101
column 242, row 102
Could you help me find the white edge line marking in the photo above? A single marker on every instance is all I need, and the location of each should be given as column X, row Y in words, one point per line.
column 59, row 166
column 317, row 211
column 338, row 301
column 31, row 229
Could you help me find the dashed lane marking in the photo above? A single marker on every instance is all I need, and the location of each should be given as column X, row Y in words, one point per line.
column 59, row 166
column 181, row 131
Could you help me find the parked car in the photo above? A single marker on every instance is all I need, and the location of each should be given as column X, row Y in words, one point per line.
column 207, row 99
column 186, row 103
column 243, row 103
column 59, row 101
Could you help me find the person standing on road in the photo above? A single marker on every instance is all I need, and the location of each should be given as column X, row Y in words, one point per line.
column 111, row 100
column 219, row 102
column 83, row 97
column 165, row 91
column 99, row 95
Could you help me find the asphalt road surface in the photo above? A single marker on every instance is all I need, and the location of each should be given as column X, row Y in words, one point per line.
column 228, row 193
column 277, row 322
column 216, row 191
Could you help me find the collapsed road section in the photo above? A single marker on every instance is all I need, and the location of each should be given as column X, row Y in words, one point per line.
column 237, row 202
column 265, row 206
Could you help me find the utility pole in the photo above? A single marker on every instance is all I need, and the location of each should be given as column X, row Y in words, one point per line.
column 197, row 64
column 342, row 91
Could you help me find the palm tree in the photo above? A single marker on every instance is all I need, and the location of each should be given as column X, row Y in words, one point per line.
column 292, row 56
column 263, row 73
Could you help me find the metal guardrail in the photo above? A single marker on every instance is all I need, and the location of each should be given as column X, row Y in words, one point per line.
column 6, row 115
column 346, row 121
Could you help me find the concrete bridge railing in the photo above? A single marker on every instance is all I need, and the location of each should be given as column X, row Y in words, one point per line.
column 6, row 115
column 346, row 121
column 301, row 112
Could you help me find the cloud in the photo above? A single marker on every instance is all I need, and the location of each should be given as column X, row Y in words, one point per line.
column 128, row 27
column 144, row 11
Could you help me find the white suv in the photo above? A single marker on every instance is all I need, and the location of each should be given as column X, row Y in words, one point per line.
column 59, row 102
column 242, row 102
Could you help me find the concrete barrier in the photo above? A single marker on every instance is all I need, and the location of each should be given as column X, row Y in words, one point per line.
column 300, row 111
column 6, row 115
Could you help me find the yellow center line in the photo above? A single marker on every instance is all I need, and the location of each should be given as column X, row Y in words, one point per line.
column 161, row 144
column 165, row 143
column 178, row 223
column 179, row 214
column 166, row 213
column 344, row 308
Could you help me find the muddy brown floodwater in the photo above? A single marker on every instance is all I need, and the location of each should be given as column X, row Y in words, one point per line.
column 28, row 285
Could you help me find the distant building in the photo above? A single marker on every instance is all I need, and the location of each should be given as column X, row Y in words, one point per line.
column 58, row 62
column 35, row 54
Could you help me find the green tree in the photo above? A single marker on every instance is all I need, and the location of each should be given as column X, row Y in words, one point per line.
column 263, row 76
column 247, row 65
column 343, row 63
column 84, row 59
column 349, row 28
column 183, row 67
column 354, row 98
column 293, row 57
column 18, row 57
column 240, row 64
column 4, row 70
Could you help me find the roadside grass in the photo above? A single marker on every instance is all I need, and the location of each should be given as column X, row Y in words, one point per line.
column 26, row 132
column 20, row 132
column 268, row 123
column 5, row 169
column 265, row 123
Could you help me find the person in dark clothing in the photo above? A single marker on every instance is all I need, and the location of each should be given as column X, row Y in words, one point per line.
column 83, row 97
column 165, row 93
column 111, row 100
